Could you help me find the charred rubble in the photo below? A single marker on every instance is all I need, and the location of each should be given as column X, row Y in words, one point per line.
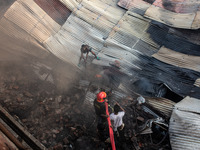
column 66, row 120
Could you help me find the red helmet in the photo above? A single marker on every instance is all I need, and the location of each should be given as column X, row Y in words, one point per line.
column 101, row 96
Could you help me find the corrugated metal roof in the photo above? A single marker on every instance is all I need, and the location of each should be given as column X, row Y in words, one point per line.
column 189, row 104
column 184, row 130
column 28, row 16
column 4, row 6
column 192, row 36
column 71, row 4
column 130, row 4
column 178, row 6
column 178, row 59
column 5, row 143
column 127, row 37
column 80, row 28
column 133, row 28
column 184, row 125
column 112, row 40
column 178, row 13
column 161, row 104
column 197, row 82
column 196, row 24
column 170, row 18
column 67, row 42
column 20, row 42
column 55, row 9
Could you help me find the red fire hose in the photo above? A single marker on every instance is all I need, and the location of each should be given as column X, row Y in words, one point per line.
column 110, row 128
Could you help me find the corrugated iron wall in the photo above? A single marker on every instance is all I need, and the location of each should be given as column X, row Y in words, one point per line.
column 184, row 125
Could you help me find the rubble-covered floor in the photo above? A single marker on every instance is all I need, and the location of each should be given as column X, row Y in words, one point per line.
column 66, row 120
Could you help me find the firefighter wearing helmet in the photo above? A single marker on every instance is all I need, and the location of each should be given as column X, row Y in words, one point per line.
column 99, row 106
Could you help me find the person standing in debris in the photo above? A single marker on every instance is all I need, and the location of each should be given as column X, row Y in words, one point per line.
column 117, row 118
column 112, row 75
column 118, row 125
column 86, row 49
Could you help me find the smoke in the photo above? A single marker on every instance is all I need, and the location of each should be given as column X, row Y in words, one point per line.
column 4, row 5
column 143, row 86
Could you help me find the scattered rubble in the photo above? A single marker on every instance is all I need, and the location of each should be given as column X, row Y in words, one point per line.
column 65, row 121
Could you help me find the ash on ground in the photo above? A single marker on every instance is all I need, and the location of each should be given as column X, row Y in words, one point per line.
column 66, row 120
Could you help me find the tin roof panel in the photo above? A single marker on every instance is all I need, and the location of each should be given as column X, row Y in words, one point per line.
column 184, row 130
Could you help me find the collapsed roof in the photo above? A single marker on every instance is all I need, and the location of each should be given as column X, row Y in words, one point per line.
column 152, row 40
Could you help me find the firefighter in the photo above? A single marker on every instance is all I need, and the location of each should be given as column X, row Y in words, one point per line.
column 86, row 49
column 102, row 125
column 99, row 105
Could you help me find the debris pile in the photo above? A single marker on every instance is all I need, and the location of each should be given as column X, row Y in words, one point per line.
column 67, row 120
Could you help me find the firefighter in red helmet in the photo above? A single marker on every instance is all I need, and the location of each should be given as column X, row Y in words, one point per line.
column 99, row 106
column 101, row 117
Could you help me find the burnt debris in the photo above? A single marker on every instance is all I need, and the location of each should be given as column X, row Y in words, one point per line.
column 67, row 121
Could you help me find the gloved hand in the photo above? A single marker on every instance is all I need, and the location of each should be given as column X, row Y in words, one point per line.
column 98, row 58
column 78, row 65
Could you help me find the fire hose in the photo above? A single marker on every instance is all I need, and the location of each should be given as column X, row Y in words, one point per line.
column 110, row 128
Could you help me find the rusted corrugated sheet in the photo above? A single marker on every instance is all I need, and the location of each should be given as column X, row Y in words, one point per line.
column 184, row 125
column 15, row 129
column 178, row 6
column 161, row 104
column 55, row 9
column 5, row 143
column 178, row 13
